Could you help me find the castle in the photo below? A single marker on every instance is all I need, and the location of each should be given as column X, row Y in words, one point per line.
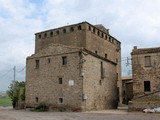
column 75, row 67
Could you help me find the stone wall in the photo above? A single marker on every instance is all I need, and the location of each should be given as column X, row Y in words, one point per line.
column 94, row 80
column 143, row 73
column 99, row 84
column 42, row 84
column 93, row 38
column 147, row 101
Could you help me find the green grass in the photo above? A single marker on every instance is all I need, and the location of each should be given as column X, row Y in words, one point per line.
column 5, row 101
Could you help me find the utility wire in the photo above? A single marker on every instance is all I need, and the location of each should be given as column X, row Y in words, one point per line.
column 6, row 73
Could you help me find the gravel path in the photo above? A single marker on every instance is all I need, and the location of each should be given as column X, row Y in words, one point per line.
column 10, row 114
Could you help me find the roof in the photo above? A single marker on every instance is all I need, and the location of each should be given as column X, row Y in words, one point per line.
column 145, row 50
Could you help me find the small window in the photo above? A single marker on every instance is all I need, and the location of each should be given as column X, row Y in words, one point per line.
column 109, row 39
column 39, row 36
column 124, row 92
column 45, row 35
column 51, row 33
column 96, row 51
column 79, row 27
column 106, row 56
column 64, row 30
column 60, row 100
column 102, row 71
column 37, row 63
column 106, row 37
column 100, row 82
column 36, row 99
column 64, row 60
column 147, row 61
column 98, row 32
column 60, row 81
column 116, row 60
column 57, row 32
column 89, row 28
column 49, row 60
column 94, row 30
column 147, row 86
column 102, row 35
column 71, row 29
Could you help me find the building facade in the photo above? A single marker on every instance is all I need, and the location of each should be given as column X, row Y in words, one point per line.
column 74, row 67
column 127, row 89
column 146, row 77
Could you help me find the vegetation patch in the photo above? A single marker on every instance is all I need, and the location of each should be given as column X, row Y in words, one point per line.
column 5, row 101
column 41, row 108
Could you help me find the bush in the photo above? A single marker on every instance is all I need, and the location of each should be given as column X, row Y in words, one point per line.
column 41, row 108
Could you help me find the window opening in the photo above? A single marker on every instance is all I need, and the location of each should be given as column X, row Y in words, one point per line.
column 102, row 35
column 49, row 60
column 147, row 61
column 60, row 81
column 98, row 32
column 64, row 30
column 39, row 36
column 106, row 56
column 36, row 99
column 51, row 33
column 79, row 27
column 102, row 71
column 89, row 28
column 60, row 100
column 94, row 30
column 147, row 86
column 45, row 35
column 57, row 32
column 71, row 29
column 37, row 63
column 64, row 60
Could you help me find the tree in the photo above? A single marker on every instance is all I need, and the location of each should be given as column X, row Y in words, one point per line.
column 14, row 92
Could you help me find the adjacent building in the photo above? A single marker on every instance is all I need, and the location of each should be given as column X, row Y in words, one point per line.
column 146, row 77
column 127, row 89
column 75, row 67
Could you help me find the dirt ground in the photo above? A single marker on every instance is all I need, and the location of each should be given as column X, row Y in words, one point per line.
column 10, row 114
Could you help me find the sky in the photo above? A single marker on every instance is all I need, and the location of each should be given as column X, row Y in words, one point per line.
column 132, row 22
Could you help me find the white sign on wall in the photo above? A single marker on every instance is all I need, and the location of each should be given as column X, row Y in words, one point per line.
column 71, row 82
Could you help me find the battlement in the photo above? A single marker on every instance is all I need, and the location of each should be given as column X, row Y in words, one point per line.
column 97, row 30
